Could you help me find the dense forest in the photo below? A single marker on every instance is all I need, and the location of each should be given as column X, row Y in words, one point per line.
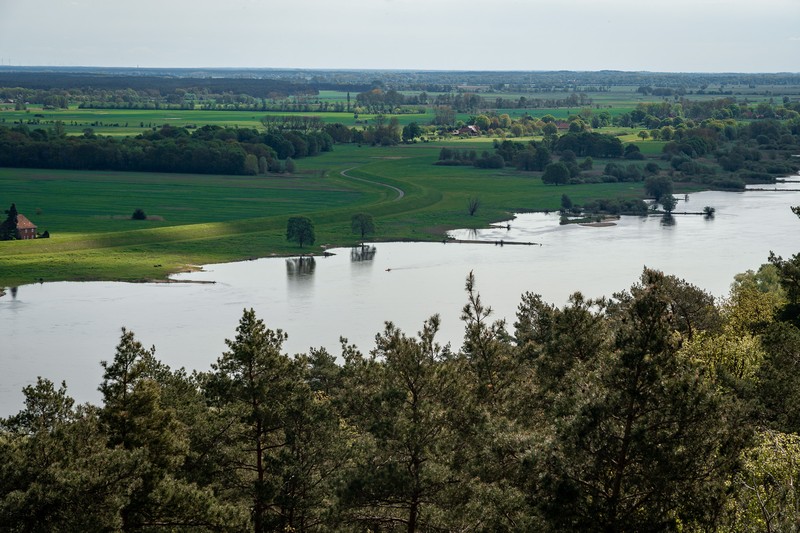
column 205, row 150
column 657, row 409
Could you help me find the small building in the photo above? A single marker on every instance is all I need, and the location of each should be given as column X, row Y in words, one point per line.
column 25, row 228
column 468, row 130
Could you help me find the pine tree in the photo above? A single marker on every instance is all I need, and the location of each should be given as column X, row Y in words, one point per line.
column 8, row 229
column 642, row 440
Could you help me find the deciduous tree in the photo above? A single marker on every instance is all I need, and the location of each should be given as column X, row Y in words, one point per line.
column 555, row 173
column 300, row 230
column 657, row 187
column 362, row 224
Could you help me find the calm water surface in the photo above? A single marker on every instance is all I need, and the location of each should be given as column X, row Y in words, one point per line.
column 63, row 330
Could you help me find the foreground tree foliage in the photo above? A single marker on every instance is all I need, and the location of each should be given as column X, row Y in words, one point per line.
column 277, row 436
column 643, row 439
column 658, row 409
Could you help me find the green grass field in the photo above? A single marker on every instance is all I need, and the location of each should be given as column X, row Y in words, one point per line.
column 196, row 219
column 123, row 122
column 202, row 219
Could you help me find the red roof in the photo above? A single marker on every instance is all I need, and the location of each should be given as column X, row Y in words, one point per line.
column 24, row 223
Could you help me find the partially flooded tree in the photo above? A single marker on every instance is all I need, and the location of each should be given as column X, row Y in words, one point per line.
column 473, row 203
column 658, row 187
column 669, row 203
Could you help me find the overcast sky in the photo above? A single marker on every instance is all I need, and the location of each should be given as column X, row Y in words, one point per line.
column 653, row 35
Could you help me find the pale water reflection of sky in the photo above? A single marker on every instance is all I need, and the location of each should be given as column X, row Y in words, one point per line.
column 62, row 330
column 652, row 35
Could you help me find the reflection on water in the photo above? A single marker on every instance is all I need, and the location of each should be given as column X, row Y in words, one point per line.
column 667, row 220
column 62, row 330
column 362, row 253
column 298, row 268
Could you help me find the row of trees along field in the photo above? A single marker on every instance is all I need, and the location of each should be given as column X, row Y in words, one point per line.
column 719, row 157
column 720, row 154
column 658, row 409
column 206, row 150
column 375, row 91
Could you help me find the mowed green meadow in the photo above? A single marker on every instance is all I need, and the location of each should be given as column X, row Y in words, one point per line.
column 125, row 122
column 200, row 219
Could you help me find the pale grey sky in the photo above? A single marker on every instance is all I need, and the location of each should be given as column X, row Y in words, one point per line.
column 654, row 35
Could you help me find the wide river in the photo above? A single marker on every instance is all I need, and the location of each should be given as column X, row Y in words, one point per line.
column 63, row 330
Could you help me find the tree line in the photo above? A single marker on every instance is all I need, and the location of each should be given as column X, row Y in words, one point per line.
column 656, row 409
column 205, row 150
column 723, row 156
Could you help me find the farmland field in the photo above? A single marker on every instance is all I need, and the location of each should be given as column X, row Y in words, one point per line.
column 203, row 219
column 122, row 122
column 195, row 219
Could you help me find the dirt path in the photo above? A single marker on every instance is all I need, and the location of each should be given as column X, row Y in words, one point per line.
column 400, row 192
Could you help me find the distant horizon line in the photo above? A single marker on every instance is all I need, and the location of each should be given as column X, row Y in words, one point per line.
column 374, row 69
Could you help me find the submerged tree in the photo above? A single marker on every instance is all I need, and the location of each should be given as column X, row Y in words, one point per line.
column 473, row 203
column 669, row 203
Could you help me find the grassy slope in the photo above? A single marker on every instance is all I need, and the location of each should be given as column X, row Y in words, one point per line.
column 210, row 219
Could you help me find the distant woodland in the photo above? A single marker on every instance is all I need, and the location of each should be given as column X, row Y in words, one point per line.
column 663, row 130
column 206, row 150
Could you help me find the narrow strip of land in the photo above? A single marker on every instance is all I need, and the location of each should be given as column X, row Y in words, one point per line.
column 500, row 242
